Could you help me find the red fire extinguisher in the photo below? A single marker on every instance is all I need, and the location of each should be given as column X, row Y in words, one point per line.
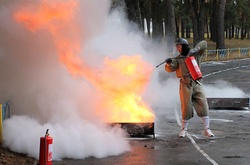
column 193, row 68
column 45, row 154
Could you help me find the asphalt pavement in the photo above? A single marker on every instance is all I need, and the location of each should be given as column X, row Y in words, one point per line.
column 230, row 146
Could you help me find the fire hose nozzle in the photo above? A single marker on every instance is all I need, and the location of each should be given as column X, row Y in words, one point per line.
column 168, row 61
column 160, row 64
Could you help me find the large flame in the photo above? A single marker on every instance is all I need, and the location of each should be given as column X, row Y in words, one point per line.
column 121, row 81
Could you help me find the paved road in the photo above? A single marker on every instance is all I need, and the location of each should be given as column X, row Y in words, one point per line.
column 236, row 72
column 230, row 146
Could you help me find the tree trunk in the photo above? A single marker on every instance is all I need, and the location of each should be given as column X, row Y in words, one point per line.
column 230, row 31
column 233, row 30
column 146, row 8
column 207, row 27
column 177, row 28
column 133, row 11
column 213, row 24
column 197, row 7
column 248, row 33
column 183, row 28
column 220, row 42
column 170, row 23
column 140, row 14
column 157, row 21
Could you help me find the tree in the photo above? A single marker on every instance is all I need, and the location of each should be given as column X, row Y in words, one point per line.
column 157, row 16
column 220, row 43
column 145, row 8
column 230, row 18
column 197, row 10
column 217, row 14
column 222, row 18
column 243, row 14
column 169, row 23
column 133, row 11
column 182, row 18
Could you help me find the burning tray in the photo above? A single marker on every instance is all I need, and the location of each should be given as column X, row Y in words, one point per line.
column 228, row 102
column 137, row 129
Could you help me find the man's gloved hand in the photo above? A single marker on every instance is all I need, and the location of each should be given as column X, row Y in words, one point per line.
column 193, row 51
column 168, row 60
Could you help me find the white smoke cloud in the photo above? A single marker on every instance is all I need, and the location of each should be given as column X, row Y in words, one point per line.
column 223, row 89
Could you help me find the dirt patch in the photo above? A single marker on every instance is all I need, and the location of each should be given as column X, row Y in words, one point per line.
column 8, row 157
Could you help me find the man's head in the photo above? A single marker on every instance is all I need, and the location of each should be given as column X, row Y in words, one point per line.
column 182, row 46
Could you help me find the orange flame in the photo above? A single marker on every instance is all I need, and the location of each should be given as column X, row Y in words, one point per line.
column 121, row 82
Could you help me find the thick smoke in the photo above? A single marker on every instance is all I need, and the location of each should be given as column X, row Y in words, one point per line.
column 44, row 95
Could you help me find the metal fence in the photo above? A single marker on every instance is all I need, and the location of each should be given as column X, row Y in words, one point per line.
column 225, row 54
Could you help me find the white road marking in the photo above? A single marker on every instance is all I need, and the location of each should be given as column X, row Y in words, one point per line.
column 220, row 71
column 222, row 120
column 193, row 141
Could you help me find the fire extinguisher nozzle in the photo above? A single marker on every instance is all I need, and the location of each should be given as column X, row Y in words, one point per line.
column 47, row 132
